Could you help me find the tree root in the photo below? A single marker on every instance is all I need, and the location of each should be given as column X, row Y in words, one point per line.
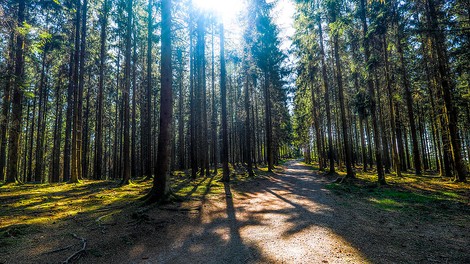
column 58, row 250
column 76, row 255
column 101, row 224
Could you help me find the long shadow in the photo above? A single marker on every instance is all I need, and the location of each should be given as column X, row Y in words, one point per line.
column 217, row 230
column 15, row 209
column 381, row 236
column 235, row 238
column 193, row 190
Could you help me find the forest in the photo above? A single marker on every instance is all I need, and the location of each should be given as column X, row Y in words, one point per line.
column 154, row 131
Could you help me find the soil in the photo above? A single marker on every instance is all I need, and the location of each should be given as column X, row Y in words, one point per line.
column 291, row 216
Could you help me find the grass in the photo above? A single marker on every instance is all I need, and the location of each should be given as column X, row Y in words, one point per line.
column 42, row 204
column 409, row 192
column 29, row 209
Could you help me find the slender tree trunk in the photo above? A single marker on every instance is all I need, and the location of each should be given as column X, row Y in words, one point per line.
column 85, row 133
column 370, row 86
column 223, row 102
column 395, row 152
column 148, row 150
column 214, row 106
column 268, row 124
column 74, row 176
column 29, row 150
column 6, row 106
column 344, row 124
column 409, row 104
column 41, row 110
column 134, row 105
column 126, row 91
column 98, row 166
column 248, row 127
column 327, row 99
column 181, row 137
column 193, row 102
column 17, row 106
column 69, row 120
column 160, row 189
column 316, row 125
column 55, row 170
column 385, row 148
column 447, row 90
column 407, row 149
column 25, row 156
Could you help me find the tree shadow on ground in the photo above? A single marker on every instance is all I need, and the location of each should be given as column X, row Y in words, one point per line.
column 183, row 236
column 381, row 234
column 210, row 230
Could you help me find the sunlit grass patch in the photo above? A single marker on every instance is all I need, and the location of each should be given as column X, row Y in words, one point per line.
column 45, row 203
column 403, row 193
column 386, row 204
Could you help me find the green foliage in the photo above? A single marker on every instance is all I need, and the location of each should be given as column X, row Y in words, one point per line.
column 362, row 103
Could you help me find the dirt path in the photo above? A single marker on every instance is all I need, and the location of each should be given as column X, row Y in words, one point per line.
column 288, row 217
column 280, row 219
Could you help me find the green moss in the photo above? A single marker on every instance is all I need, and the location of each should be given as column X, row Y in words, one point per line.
column 386, row 204
column 451, row 194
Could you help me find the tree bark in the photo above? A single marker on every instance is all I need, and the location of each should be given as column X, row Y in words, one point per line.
column 327, row 99
column 160, row 189
column 17, row 106
column 223, row 102
column 370, row 86
column 98, row 166
column 344, row 124
column 6, row 106
column 126, row 91
column 447, row 90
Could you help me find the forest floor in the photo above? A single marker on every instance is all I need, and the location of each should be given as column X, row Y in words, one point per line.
column 294, row 215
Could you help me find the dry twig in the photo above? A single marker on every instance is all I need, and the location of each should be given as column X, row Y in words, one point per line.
column 77, row 253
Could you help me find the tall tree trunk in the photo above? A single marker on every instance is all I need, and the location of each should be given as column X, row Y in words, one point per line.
column 327, row 99
column 74, row 176
column 316, row 125
column 447, row 90
column 55, row 170
column 223, row 102
column 395, row 152
column 85, row 133
column 409, row 103
column 268, row 124
column 134, row 105
column 248, row 127
column 69, row 119
column 29, row 150
column 385, row 148
column 25, row 156
column 6, row 106
column 17, row 106
column 214, row 106
column 148, row 150
column 160, row 189
column 181, row 137
column 193, row 102
column 344, row 124
column 370, row 86
column 98, row 165
column 40, row 132
column 126, row 91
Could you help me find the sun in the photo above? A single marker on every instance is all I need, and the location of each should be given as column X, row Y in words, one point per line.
column 227, row 9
